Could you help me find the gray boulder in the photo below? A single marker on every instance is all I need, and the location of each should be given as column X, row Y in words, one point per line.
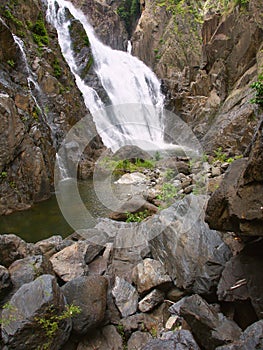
column 12, row 248
column 90, row 294
column 26, row 270
column 210, row 329
column 30, row 308
column 126, row 297
column 192, row 254
column 137, row 340
column 103, row 339
column 250, row 339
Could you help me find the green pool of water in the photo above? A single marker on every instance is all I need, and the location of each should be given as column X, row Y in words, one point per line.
column 45, row 219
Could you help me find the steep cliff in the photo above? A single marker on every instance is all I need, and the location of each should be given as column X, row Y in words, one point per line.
column 207, row 55
column 39, row 102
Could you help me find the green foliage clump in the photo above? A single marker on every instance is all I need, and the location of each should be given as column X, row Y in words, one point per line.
column 57, row 68
column 50, row 322
column 137, row 217
column 222, row 157
column 123, row 166
column 39, row 32
column 8, row 15
column 258, row 87
column 129, row 11
column 168, row 193
column 11, row 63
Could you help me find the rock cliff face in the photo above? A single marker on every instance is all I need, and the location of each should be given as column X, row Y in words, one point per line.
column 206, row 68
column 39, row 102
column 110, row 31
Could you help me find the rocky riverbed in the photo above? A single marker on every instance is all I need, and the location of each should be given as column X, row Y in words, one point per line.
column 168, row 282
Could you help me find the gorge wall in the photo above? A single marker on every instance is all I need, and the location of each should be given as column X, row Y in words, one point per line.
column 39, row 102
column 207, row 56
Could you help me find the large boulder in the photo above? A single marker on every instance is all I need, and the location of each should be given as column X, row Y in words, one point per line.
column 71, row 262
column 30, row 311
column 237, row 204
column 250, row 339
column 90, row 294
column 103, row 339
column 192, row 254
column 149, row 274
column 12, row 248
column 126, row 297
column 209, row 328
column 26, row 270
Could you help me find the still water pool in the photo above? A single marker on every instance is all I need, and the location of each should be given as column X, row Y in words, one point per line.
column 45, row 219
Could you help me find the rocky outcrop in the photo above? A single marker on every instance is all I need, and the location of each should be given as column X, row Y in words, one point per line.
column 39, row 102
column 111, row 32
column 238, row 202
column 207, row 59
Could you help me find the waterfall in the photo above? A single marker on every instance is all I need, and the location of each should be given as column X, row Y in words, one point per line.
column 126, row 80
column 36, row 92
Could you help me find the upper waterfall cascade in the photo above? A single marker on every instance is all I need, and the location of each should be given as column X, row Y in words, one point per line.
column 126, row 80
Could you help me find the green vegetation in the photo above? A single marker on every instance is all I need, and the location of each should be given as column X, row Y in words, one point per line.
column 120, row 330
column 222, row 157
column 122, row 166
column 258, row 87
column 11, row 63
column 39, row 31
column 137, row 217
column 129, row 11
column 56, row 68
column 50, row 322
column 3, row 175
column 168, row 193
column 8, row 15
column 12, row 317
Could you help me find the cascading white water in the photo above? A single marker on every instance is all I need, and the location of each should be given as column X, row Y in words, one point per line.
column 125, row 78
column 36, row 91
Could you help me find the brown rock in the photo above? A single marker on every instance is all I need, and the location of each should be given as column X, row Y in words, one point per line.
column 149, row 274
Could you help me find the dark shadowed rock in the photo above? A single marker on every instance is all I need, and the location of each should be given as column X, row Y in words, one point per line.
column 242, row 277
column 34, row 301
column 12, row 248
column 158, row 344
column 151, row 300
column 126, row 297
column 5, row 281
column 137, row 340
column 131, row 153
column 238, row 202
column 150, row 274
column 209, row 328
column 193, row 255
column 90, row 294
column 26, row 270
column 103, row 339
column 250, row 339
column 183, row 340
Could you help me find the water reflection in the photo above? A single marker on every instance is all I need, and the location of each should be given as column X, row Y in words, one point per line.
column 45, row 219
